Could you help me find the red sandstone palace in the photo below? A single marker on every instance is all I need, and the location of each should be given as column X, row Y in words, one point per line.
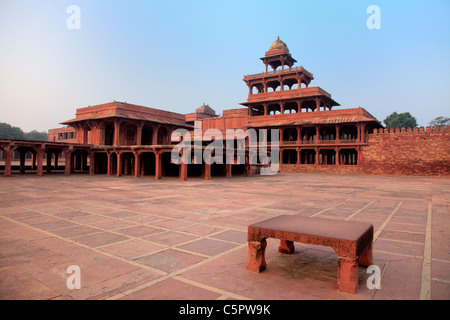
column 119, row 138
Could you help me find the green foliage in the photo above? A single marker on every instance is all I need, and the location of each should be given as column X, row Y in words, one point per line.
column 14, row 133
column 400, row 120
column 439, row 121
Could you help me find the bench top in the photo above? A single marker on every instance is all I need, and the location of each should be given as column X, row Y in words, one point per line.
column 328, row 228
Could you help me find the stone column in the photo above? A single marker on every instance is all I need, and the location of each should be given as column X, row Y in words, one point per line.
column 68, row 161
column 49, row 162
column 137, row 164
column 317, row 104
column 116, row 140
column 8, row 158
column 22, row 161
column 40, row 160
column 119, row 164
column 155, row 134
column 108, row 163
column 139, row 133
column 158, row 165
column 91, row 162
column 183, row 171
column 228, row 170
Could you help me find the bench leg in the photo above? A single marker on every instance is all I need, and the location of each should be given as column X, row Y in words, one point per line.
column 256, row 255
column 347, row 275
column 286, row 246
column 366, row 258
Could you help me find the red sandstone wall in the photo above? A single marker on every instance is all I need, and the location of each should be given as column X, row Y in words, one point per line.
column 411, row 151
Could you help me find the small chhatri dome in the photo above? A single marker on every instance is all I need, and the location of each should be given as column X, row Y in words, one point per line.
column 278, row 44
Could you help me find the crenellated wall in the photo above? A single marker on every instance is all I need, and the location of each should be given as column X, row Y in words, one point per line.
column 407, row 151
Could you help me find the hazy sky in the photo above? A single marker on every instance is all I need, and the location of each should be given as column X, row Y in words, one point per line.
column 176, row 55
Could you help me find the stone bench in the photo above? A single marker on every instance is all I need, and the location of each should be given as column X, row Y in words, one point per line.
column 352, row 242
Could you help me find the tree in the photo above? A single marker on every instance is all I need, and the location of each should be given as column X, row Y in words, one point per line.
column 440, row 121
column 9, row 132
column 36, row 136
column 400, row 120
column 14, row 133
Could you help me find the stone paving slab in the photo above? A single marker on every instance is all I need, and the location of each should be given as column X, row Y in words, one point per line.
column 166, row 239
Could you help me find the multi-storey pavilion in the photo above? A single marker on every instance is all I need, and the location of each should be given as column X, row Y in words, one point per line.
column 310, row 131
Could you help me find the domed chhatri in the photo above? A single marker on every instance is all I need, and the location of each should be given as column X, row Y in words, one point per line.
column 278, row 44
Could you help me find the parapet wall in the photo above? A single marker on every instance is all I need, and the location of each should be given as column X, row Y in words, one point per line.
column 408, row 151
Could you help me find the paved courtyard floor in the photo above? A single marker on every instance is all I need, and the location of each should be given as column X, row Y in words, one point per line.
column 166, row 239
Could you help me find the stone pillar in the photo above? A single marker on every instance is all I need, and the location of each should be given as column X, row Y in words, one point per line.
column 119, row 164
column 116, row 140
column 8, row 157
column 317, row 104
column 207, row 171
column 158, row 165
column 155, row 135
column 137, row 164
column 49, row 162
column 183, row 171
column 68, row 164
column 33, row 160
column 56, row 160
column 22, row 161
column 40, row 160
column 317, row 156
column 91, row 162
column 266, row 109
column 248, row 166
column 228, row 170
column 338, row 139
column 139, row 133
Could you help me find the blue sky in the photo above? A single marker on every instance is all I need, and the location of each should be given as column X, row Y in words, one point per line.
column 176, row 55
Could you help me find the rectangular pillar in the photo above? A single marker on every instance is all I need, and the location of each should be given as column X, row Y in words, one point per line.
column 49, row 162
column 119, row 164
column 68, row 164
column 228, row 169
column 158, row 165
column 91, row 162
column 22, row 161
column 40, row 161
column 8, row 157
column 207, row 171
column 137, row 164
column 183, row 171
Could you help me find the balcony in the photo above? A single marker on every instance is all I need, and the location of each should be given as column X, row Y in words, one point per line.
column 286, row 71
column 286, row 94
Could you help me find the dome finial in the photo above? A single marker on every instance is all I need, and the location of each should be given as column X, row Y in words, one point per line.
column 278, row 44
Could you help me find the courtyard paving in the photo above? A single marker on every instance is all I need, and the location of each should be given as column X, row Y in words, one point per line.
column 140, row 238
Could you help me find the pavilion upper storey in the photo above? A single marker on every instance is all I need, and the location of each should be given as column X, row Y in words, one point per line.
column 283, row 83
